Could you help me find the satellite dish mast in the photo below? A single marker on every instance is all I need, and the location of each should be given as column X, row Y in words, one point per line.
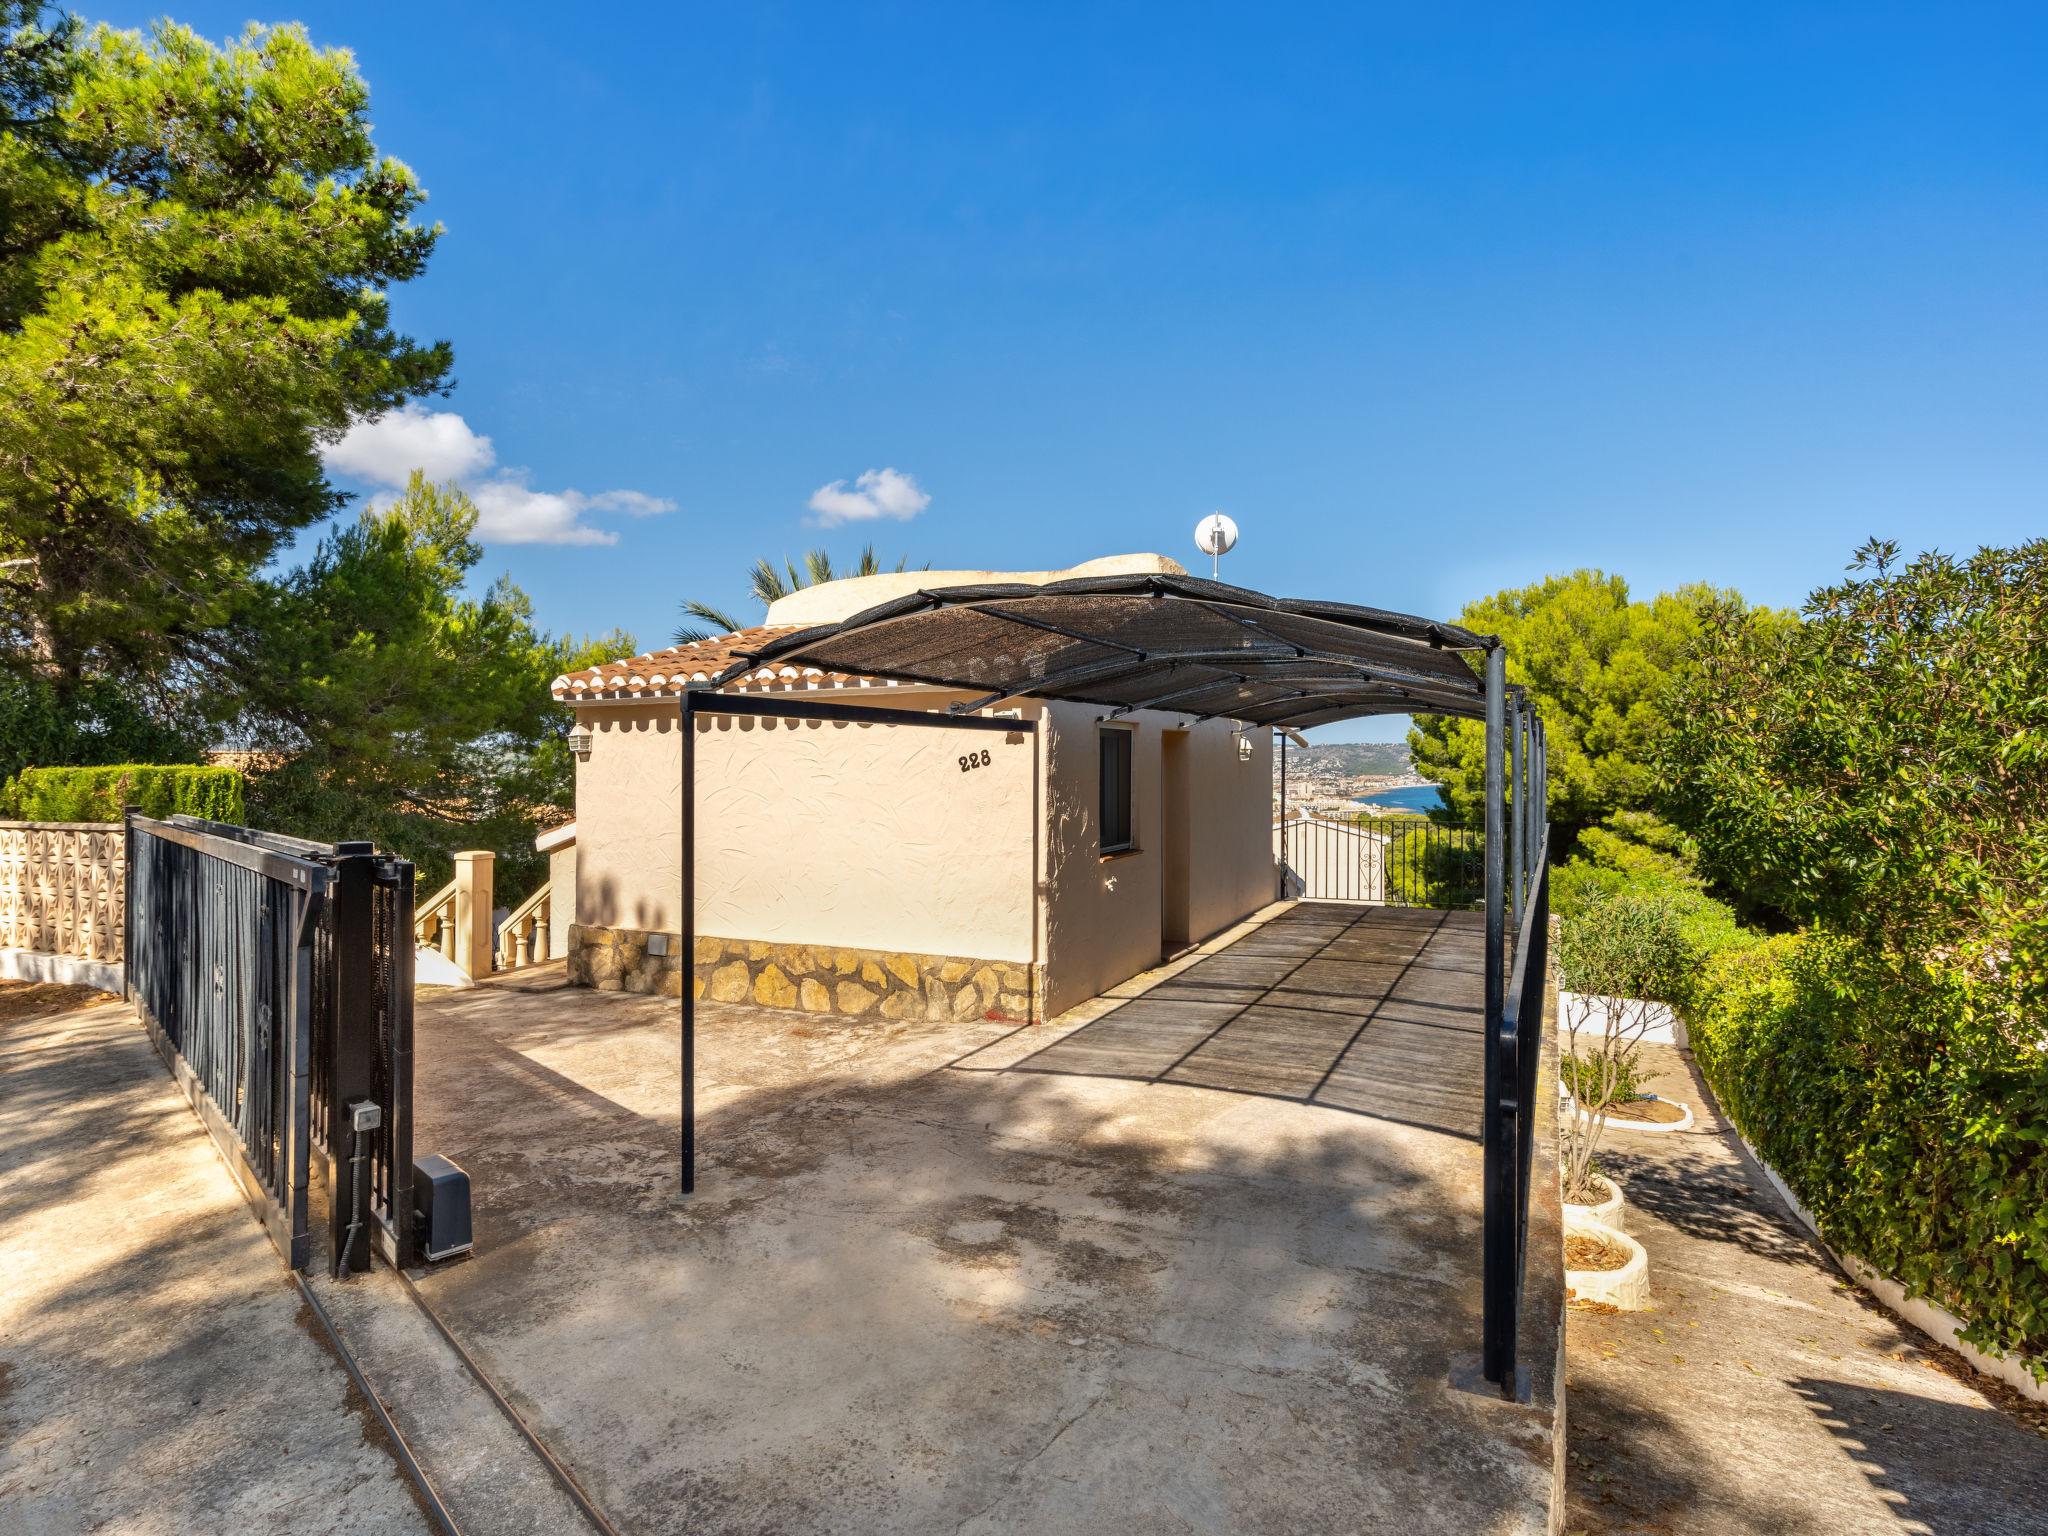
column 1215, row 536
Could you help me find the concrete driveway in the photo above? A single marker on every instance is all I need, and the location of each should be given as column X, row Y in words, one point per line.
column 919, row 1291
column 159, row 1373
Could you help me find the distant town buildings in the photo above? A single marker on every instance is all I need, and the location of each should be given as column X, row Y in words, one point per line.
column 1332, row 780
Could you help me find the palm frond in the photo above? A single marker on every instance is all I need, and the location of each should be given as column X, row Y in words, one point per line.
column 714, row 622
column 767, row 583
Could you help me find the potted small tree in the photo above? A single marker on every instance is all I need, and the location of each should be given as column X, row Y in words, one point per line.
column 1613, row 959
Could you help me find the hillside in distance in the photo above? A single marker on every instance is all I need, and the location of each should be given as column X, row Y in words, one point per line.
column 1384, row 757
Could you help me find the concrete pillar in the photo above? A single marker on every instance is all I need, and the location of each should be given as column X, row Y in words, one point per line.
column 473, row 906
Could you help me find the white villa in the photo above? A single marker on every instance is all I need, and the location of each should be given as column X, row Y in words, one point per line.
column 890, row 869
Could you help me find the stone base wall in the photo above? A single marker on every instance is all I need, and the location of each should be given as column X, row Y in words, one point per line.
column 812, row 978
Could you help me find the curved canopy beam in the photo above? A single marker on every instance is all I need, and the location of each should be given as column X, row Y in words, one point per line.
column 1193, row 647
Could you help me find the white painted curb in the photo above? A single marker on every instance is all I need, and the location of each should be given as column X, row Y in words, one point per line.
column 1655, row 1127
column 1936, row 1322
column 1637, row 1127
column 63, row 970
column 431, row 968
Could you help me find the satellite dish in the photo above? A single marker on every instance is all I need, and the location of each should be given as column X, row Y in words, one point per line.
column 1215, row 536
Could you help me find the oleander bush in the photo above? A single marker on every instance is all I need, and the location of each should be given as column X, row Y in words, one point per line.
column 1613, row 958
column 100, row 793
column 1907, row 1117
column 1635, row 856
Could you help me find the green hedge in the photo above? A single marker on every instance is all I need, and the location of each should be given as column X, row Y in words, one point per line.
column 98, row 794
column 1912, row 1122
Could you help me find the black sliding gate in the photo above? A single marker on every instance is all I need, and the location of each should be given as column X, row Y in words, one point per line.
column 274, row 976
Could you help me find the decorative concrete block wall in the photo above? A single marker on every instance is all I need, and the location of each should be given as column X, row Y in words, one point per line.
column 856, row 983
column 60, row 888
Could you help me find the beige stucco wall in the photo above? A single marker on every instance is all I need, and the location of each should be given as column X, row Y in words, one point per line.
column 863, row 836
column 562, row 899
column 1102, row 919
column 1234, row 872
column 871, row 837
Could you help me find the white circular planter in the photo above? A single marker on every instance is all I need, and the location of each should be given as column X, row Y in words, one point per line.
column 1626, row 1289
column 1636, row 1127
column 1655, row 1127
column 1608, row 1212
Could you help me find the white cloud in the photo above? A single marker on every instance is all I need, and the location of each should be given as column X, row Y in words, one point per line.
column 441, row 445
column 876, row 494
column 387, row 450
column 510, row 512
column 632, row 503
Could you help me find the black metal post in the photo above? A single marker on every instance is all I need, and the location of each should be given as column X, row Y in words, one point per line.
column 296, row 1077
column 128, row 901
column 1497, row 1261
column 1283, row 814
column 689, row 937
column 399, row 1006
column 1517, row 756
column 351, row 1068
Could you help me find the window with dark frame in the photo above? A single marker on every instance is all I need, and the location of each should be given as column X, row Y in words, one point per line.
column 1115, row 747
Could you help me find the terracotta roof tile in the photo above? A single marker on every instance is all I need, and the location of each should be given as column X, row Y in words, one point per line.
column 662, row 674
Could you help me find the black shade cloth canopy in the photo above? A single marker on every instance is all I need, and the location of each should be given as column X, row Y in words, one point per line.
column 1176, row 643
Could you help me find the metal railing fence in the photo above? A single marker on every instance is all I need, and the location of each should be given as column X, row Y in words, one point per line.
column 1399, row 861
column 1515, row 1087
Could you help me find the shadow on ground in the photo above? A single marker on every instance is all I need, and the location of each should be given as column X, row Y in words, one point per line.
column 913, row 1298
column 1764, row 1393
column 158, row 1370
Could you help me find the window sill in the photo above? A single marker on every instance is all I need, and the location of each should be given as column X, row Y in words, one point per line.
column 1117, row 853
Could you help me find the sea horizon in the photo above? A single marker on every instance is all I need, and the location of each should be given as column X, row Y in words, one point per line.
column 1409, row 797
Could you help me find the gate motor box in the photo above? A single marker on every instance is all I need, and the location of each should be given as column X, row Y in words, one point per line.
column 440, row 1208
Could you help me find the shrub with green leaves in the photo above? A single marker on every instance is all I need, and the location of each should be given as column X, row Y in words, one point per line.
column 1880, row 771
column 1628, row 945
column 1912, row 1125
column 1882, row 767
column 1634, row 855
column 159, row 790
column 1613, row 958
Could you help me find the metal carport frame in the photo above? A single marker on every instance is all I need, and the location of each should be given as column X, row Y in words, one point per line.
column 1210, row 650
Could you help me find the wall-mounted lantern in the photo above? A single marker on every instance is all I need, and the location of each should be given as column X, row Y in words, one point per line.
column 579, row 741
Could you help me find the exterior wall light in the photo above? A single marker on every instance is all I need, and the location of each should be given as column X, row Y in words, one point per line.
column 579, row 741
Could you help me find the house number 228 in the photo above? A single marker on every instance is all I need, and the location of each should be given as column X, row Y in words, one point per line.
column 974, row 760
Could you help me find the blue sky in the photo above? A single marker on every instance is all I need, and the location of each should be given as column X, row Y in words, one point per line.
column 1432, row 300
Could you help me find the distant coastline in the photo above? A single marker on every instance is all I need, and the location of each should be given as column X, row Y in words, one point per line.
column 1408, row 797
